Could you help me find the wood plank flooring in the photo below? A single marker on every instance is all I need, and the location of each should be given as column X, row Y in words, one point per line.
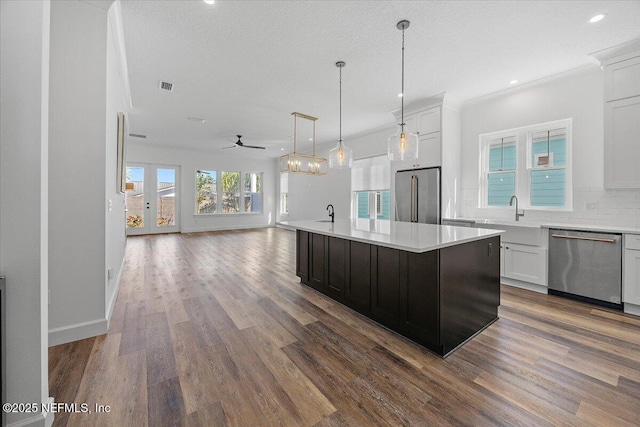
column 214, row 329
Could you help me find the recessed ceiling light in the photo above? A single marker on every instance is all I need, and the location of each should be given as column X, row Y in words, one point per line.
column 310, row 139
column 512, row 82
column 281, row 149
column 195, row 119
column 209, row 1
column 597, row 18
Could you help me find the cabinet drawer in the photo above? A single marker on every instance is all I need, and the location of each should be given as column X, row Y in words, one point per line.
column 622, row 79
column 632, row 241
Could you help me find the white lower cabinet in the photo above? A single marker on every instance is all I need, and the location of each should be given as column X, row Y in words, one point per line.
column 631, row 271
column 525, row 263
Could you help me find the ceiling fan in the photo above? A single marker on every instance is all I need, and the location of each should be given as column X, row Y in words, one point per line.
column 241, row 144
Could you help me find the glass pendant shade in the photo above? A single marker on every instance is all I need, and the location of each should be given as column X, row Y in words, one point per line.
column 341, row 157
column 402, row 146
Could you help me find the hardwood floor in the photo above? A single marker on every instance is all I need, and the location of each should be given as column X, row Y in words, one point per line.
column 214, row 329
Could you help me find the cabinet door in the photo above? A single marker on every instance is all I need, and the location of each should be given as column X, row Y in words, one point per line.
column 429, row 151
column 631, row 278
column 302, row 256
column 421, row 299
column 317, row 261
column 621, row 146
column 387, row 280
column 337, row 267
column 429, row 121
column 526, row 263
column 622, row 79
column 358, row 290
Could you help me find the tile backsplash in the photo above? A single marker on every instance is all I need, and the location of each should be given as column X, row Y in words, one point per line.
column 590, row 206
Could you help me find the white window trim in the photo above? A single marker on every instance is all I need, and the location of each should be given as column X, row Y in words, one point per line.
column 523, row 176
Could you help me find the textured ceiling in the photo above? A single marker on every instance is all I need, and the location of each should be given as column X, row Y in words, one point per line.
column 244, row 66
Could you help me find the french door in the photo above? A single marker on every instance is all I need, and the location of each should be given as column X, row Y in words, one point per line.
column 152, row 198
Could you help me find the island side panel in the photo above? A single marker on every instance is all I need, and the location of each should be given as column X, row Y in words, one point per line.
column 469, row 290
column 317, row 253
column 387, row 285
column 302, row 256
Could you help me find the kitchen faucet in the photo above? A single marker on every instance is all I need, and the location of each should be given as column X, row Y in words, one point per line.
column 331, row 213
column 518, row 215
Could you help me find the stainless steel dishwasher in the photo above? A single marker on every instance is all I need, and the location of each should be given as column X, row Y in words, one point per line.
column 586, row 265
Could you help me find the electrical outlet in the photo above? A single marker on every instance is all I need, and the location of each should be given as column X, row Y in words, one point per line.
column 109, row 273
column 590, row 206
column 110, row 205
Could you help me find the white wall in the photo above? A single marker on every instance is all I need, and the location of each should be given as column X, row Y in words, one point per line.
column 310, row 195
column 24, row 110
column 578, row 95
column 117, row 95
column 190, row 161
column 79, row 132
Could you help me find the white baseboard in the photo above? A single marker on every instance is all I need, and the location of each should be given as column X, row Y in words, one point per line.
column 230, row 227
column 79, row 331
column 43, row 418
column 114, row 297
column 524, row 285
column 632, row 309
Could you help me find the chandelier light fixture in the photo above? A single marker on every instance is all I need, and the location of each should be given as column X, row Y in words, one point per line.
column 299, row 163
column 341, row 157
column 402, row 145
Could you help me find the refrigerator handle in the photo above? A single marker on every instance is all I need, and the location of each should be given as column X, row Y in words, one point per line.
column 414, row 198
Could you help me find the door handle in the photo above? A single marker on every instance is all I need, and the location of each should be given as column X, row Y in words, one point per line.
column 592, row 239
column 414, row 198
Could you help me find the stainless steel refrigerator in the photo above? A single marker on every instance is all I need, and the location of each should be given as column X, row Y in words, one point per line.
column 418, row 195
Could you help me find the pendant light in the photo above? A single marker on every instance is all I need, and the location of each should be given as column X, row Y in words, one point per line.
column 300, row 163
column 340, row 157
column 402, row 145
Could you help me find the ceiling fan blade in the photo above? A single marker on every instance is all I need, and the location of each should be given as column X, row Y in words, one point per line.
column 233, row 146
column 253, row 146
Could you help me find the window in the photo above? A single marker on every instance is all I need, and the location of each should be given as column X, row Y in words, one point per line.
column 252, row 192
column 370, row 182
column 284, row 193
column 548, row 162
column 531, row 162
column 233, row 192
column 501, row 174
column 206, row 192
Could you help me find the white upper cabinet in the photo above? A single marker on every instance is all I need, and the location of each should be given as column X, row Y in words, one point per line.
column 411, row 123
column 621, row 68
column 622, row 79
column 429, row 121
column 429, row 151
column 622, row 143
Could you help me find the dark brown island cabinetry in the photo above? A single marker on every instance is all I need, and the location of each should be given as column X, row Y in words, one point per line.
column 439, row 298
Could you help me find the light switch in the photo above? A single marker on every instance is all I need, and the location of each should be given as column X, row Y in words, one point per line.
column 110, row 204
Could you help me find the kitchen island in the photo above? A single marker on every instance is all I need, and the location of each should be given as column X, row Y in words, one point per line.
column 436, row 285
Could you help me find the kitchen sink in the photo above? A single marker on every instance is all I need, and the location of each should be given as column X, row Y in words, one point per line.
column 516, row 232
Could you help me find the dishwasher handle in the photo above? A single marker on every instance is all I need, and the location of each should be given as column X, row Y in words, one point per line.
column 592, row 239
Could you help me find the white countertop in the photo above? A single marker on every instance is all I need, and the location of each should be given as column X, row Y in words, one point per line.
column 562, row 226
column 406, row 236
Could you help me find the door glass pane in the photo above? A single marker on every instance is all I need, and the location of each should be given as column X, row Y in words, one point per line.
column 166, row 198
column 252, row 192
column 230, row 192
column 134, row 197
column 207, row 191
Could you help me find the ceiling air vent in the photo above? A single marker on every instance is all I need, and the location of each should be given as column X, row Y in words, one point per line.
column 166, row 86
